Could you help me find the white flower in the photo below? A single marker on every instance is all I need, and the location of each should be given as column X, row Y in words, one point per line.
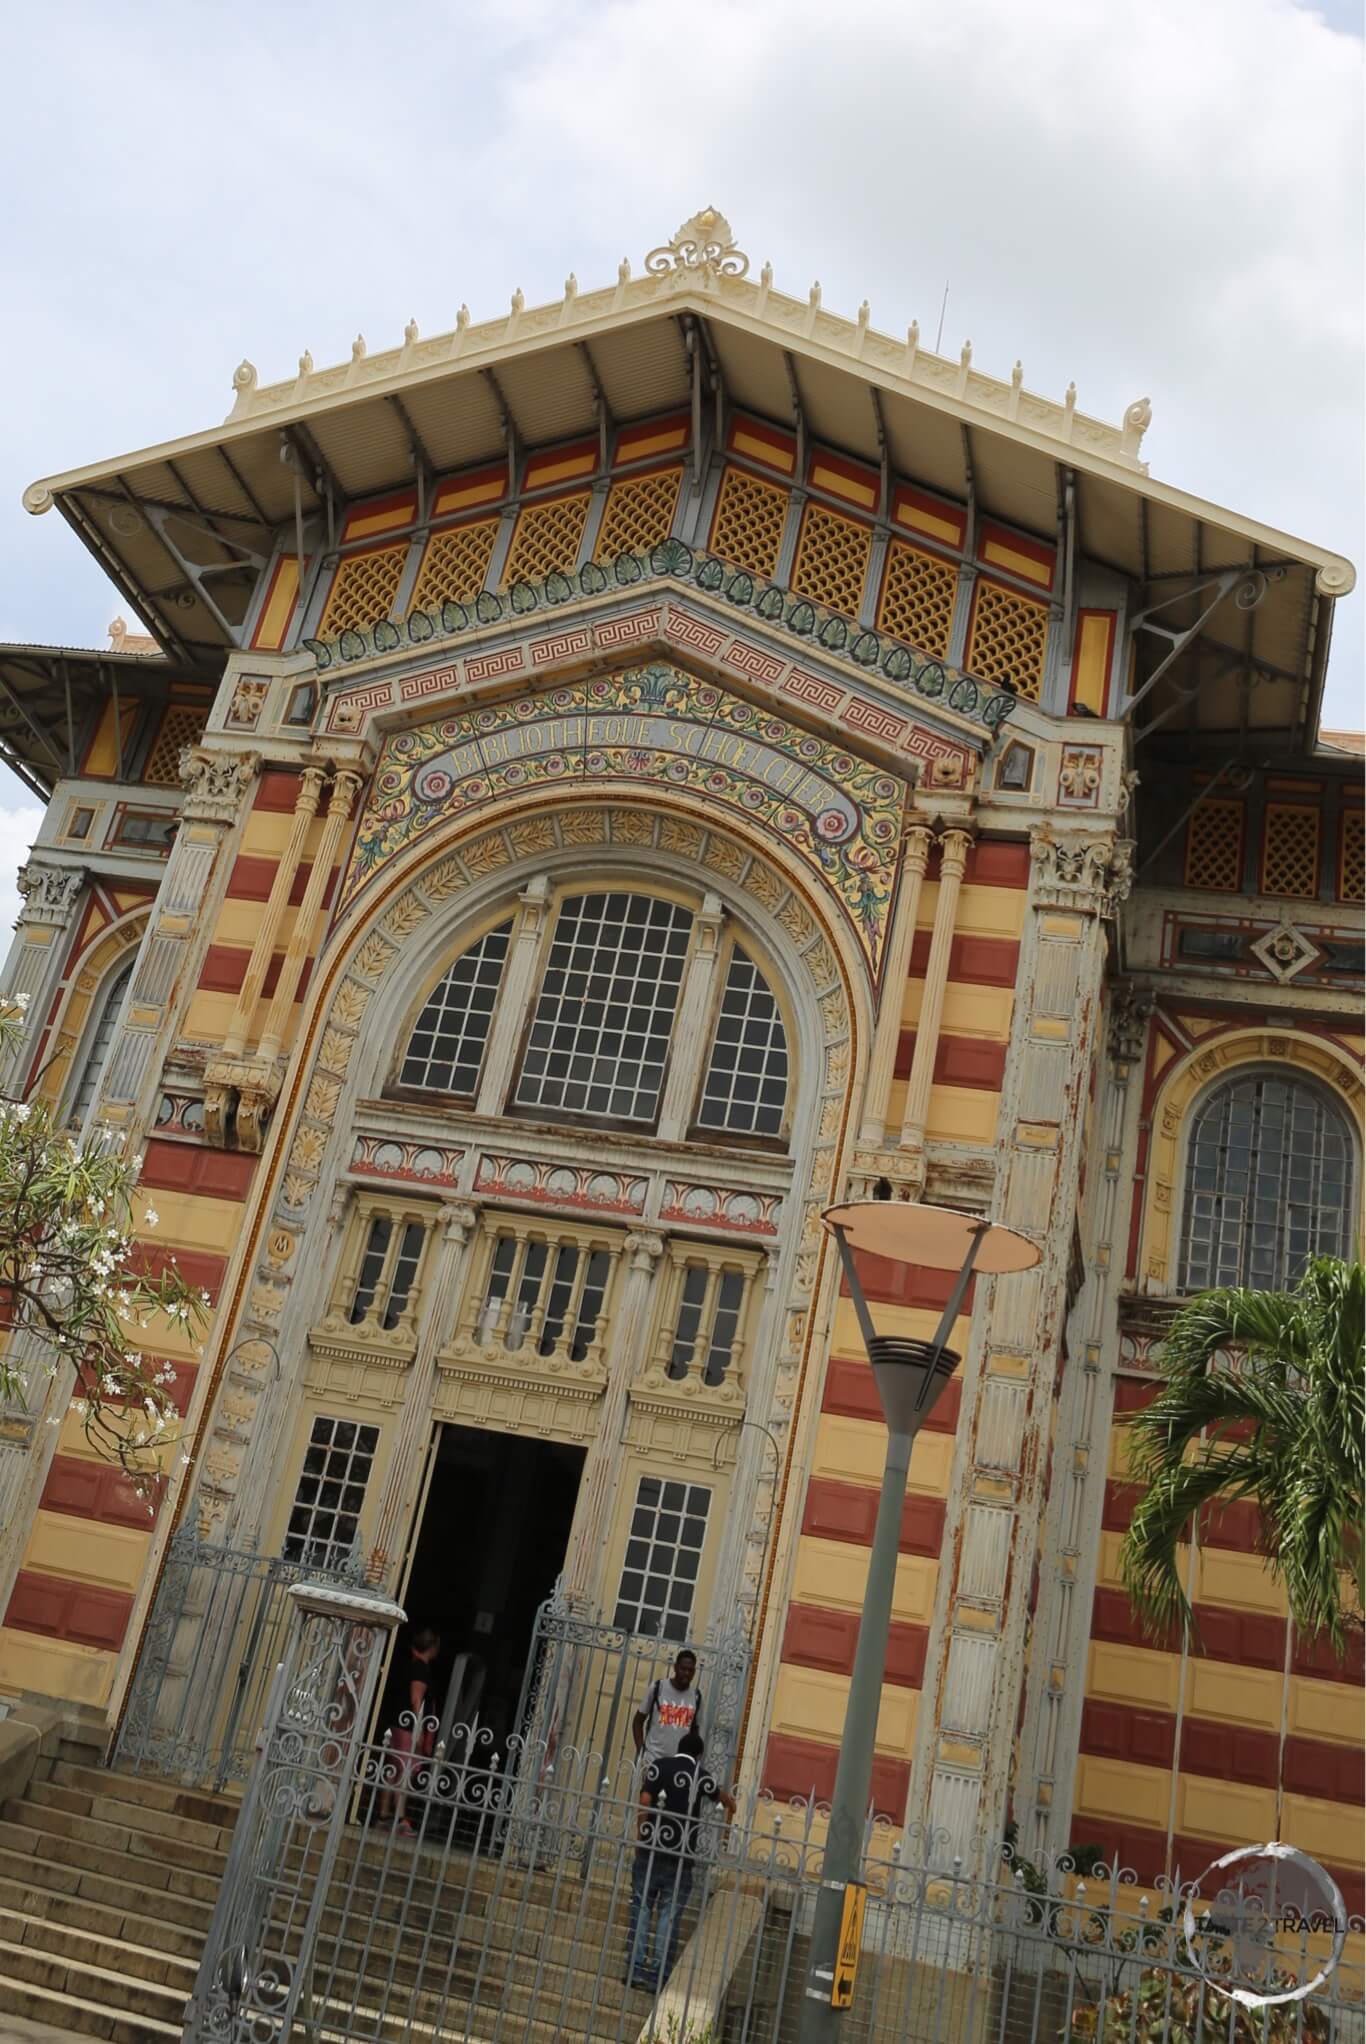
column 185, row 1461
column 152, row 1218
column 19, row 1001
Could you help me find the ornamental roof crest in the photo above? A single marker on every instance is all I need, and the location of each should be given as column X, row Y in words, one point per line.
column 705, row 244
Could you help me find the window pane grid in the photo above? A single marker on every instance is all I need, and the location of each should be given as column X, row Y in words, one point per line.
column 446, row 1049
column 331, row 1491
column 371, row 1269
column 600, row 1032
column 745, row 1089
column 1268, row 1185
column 663, row 1554
column 98, row 1053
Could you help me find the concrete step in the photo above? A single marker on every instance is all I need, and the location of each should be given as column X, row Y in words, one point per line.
column 199, row 1805
column 29, row 1966
column 176, row 1940
column 141, row 1965
column 115, row 1871
column 107, row 1806
column 101, row 1836
column 70, row 2015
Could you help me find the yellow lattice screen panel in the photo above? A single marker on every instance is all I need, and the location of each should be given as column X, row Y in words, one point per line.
column 546, row 539
column 918, row 592
column 179, row 728
column 749, row 521
column 1352, row 867
column 1214, row 847
column 363, row 591
column 639, row 513
column 1290, row 851
column 455, row 564
column 832, row 559
column 1009, row 638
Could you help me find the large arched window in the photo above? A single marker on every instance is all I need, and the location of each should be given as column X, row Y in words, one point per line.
column 101, row 1039
column 599, row 1037
column 1269, row 1174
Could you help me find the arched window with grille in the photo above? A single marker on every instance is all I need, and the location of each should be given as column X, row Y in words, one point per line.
column 745, row 1088
column 603, row 1019
column 1270, row 1167
column 101, row 1040
column 446, row 1049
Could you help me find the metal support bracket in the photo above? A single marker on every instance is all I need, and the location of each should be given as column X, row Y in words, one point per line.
column 1250, row 589
column 199, row 573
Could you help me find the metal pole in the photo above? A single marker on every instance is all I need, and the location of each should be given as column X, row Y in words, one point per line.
column 819, row 2023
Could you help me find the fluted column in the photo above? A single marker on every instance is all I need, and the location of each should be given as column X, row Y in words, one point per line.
column 306, row 922
column 258, row 965
column 626, row 1348
column 954, row 855
column 36, row 957
column 896, row 971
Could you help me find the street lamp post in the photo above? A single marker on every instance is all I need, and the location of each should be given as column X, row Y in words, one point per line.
column 909, row 1376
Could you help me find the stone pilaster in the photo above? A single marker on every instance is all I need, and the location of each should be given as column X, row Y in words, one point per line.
column 1051, row 1730
column 976, row 1662
column 896, row 971
column 518, row 978
column 690, row 1030
column 36, row 957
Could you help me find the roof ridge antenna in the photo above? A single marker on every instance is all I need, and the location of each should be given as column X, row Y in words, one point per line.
column 942, row 310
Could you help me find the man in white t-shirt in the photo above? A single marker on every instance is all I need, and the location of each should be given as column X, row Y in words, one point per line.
column 670, row 1708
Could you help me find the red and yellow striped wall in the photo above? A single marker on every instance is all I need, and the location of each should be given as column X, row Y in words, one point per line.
column 850, row 1438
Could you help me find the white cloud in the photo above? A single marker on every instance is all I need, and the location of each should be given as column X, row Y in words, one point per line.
column 1158, row 197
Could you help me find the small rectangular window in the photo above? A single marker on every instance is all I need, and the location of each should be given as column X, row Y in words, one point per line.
column 663, row 1558
column 80, row 823
column 325, row 1517
column 147, row 829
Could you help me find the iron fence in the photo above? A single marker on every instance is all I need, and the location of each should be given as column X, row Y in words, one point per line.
column 494, row 1891
column 216, row 1633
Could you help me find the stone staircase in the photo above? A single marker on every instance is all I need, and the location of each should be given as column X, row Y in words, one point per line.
column 108, row 1880
column 107, row 1883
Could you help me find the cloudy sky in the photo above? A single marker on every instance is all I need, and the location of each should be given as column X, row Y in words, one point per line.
column 1154, row 197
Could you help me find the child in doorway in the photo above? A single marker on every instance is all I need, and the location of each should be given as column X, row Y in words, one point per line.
column 413, row 1736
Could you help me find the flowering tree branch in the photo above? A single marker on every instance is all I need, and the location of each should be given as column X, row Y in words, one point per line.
column 75, row 1286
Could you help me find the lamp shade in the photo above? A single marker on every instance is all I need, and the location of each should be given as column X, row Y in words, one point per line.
column 938, row 1238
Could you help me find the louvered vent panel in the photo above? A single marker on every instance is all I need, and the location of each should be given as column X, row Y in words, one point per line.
column 547, row 539
column 1214, row 847
column 1290, row 852
column 639, row 513
column 363, row 591
column 832, row 559
column 1009, row 638
column 749, row 521
column 455, row 564
column 918, row 593
column 179, row 728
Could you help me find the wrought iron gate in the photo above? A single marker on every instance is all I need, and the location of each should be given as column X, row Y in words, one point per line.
column 217, row 1630
column 585, row 1680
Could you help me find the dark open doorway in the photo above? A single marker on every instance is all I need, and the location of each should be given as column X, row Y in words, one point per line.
column 491, row 1542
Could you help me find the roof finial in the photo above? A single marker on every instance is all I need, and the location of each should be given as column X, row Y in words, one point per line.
column 410, row 332
column 703, row 247
column 306, row 362
column 358, row 348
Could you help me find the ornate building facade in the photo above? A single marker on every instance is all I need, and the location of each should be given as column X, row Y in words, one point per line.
column 604, row 785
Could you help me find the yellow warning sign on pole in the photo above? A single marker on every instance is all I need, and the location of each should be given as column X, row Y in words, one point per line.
column 851, row 1944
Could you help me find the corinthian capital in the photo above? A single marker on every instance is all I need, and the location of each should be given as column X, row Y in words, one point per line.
column 50, row 892
column 216, row 783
